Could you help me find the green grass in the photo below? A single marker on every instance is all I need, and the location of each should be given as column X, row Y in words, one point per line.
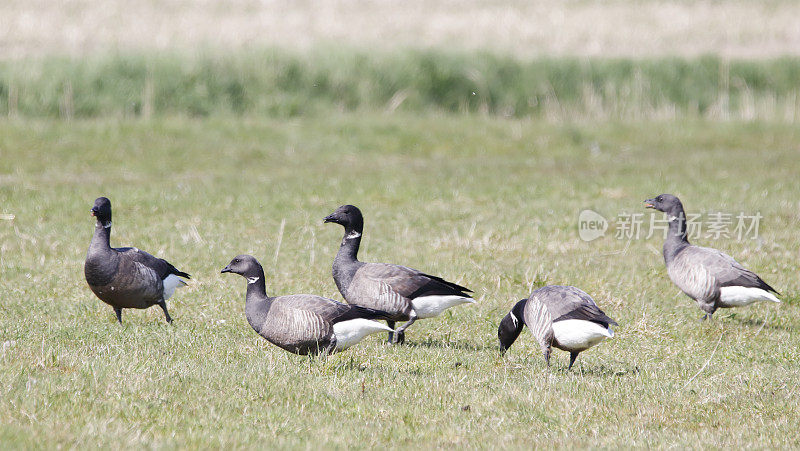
column 285, row 84
column 487, row 202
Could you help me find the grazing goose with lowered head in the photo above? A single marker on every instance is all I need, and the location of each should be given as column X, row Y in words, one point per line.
column 558, row 317
column 302, row 323
column 711, row 277
column 405, row 293
column 127, row 277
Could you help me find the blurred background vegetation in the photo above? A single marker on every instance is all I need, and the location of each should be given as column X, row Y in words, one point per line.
column 559, row 60
column 283, row 83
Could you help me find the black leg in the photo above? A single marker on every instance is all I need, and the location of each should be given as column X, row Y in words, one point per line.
column 391, row 325
column 547, row 356
column 572, row 357
column 118, row 311
column 163, row 306
column 399, row 333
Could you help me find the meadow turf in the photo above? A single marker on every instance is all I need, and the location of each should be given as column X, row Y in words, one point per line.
column 486, row 202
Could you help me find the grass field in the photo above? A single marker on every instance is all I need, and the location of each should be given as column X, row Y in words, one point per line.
column 488, row 202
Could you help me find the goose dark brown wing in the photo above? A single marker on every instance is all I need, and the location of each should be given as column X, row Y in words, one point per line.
column 329, row 310
column 588, row 313
column 727, row 271
column 565, row 302
column 160, row 266
column 701, row 271
column 390, row 288
column 409, row 282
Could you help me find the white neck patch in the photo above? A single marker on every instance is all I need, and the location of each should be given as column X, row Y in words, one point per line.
column 514, row 318
column 352, row 235
column 673, row 218
column 252, row 280
column 107, row 225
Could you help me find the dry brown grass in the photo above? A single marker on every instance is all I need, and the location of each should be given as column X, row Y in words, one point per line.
column 622, row 28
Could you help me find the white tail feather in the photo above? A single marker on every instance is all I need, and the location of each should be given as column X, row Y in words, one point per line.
column 430, row 306
column 350, row 332
column 170, row 284
column 740, row 296
column 578, row 334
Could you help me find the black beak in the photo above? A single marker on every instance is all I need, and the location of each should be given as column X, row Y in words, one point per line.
column 93, row 211
column 225, row 269
column 328, row 219
column 649, row 203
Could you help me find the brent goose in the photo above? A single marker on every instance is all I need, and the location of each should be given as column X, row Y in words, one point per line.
column 302, row 323
column 560, row 317
column 127, row 277
column 711, row 277
column 405, row 293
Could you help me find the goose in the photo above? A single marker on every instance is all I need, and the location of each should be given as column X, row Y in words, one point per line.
column 561, row 317
column 127, row 277
column 711, row 277
column 405, row 293
column 302, row 323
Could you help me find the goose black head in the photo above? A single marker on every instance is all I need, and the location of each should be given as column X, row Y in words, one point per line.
column 246, row 266
column 511, row 326
column 349, row 217
column 667, row 203
column 102, row 211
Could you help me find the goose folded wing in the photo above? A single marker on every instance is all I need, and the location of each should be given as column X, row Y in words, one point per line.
column 329, row 310
column 727, row 271
column 377, row 295
column 410, row 283
column 588, row 312
column 161, row 267
column 138, row 275
column 141, row 281
column 572, row 303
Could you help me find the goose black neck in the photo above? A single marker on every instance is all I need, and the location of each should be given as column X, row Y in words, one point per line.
column 101, row 240
column 256, row 287
column 101, row 261
column 511, row 325
column 257, row 302
column 676, row 236
column 346, row 262
column 348, row 251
